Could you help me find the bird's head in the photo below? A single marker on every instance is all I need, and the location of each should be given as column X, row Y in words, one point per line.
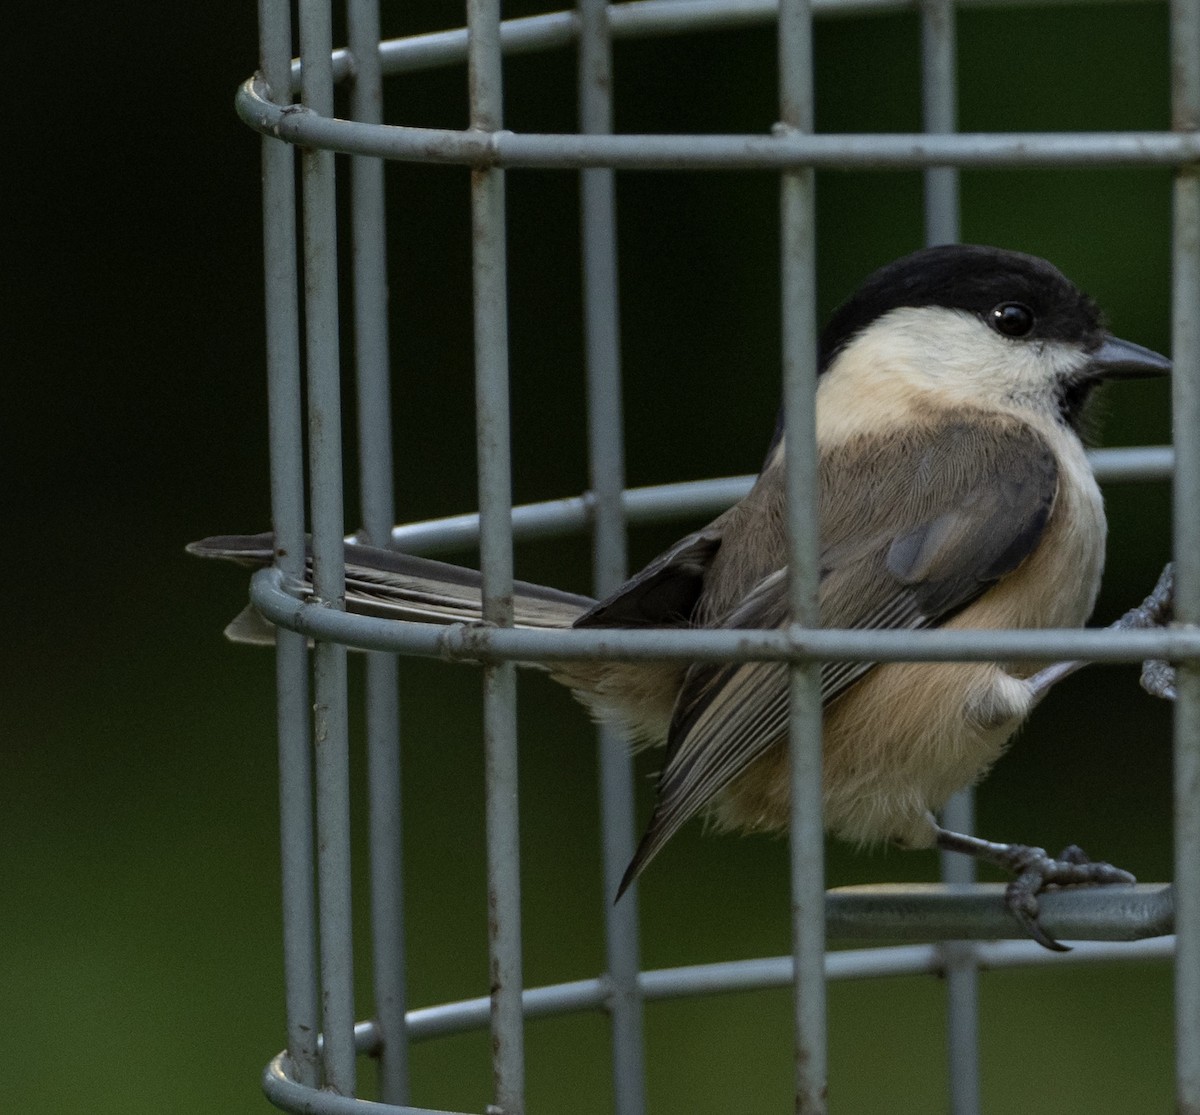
column 978, row 326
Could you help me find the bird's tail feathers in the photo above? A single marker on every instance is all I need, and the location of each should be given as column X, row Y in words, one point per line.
column 392, row 585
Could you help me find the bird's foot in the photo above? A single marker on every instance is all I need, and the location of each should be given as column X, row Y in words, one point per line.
column 1158, row 677
column 1035, row 871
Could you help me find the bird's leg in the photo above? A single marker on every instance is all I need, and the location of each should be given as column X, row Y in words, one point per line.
column 1158, row 678
column 1034, row 870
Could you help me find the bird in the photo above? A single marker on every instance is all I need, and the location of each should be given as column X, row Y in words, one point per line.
column 953, row 492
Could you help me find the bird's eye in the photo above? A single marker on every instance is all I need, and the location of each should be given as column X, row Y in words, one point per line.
column 1013, row 319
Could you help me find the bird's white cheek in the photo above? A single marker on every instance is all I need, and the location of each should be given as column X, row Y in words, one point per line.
column 917, row 357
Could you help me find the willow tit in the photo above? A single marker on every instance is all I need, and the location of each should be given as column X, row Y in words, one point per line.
column 954, row 492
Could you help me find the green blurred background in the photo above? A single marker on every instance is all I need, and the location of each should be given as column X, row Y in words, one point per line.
column 140, row 926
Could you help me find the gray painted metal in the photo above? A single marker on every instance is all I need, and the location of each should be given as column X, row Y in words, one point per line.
column 727, row 977
column 797, row 234
column 492, row 432
column 330, row 730
column 762, row 973
column 919, row 912
column 963, row 916
column 477, row 643
column 377, row 509
column 606, row 455
column 1185, row 54
column 281, row 281
column 693, row 499
column 630, row 20
column 778, row 152
column 939, row 106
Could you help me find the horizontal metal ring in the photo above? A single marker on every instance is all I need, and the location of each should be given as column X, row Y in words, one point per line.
column 777, row 151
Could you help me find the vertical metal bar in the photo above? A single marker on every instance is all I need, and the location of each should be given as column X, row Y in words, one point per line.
column 1185, row 57
column 1187, row 610
column 609, row 552
column 939, row 86
column 369, row 252
column 962, row 974
column 330, row 732
column 622, row 946
column 389, row 952
column 939, row 108
column 495, row 551
column 296, row 857
column 281, row 280
column 798, row 265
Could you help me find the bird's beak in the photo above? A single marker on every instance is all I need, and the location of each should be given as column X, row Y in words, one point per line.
column 1118, row 359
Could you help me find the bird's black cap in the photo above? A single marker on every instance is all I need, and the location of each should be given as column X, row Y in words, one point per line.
column 973, row 278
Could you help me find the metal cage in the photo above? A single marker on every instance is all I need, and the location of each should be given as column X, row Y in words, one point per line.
column 318, row 1073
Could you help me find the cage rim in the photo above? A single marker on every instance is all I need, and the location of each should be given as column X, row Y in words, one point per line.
column 661, row 503
column 783, row 149
column 282, row 601
column 720, row 977
column 632, row 19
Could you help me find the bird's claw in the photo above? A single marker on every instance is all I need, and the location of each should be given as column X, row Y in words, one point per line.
column 1157, row 610
column 1037, row 871
column 1158, row 679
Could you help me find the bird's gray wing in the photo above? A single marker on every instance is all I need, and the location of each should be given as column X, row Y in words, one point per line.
column 665, row 592
column 952, row 508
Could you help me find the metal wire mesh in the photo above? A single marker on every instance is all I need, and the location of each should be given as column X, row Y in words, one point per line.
column 318, row 1073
